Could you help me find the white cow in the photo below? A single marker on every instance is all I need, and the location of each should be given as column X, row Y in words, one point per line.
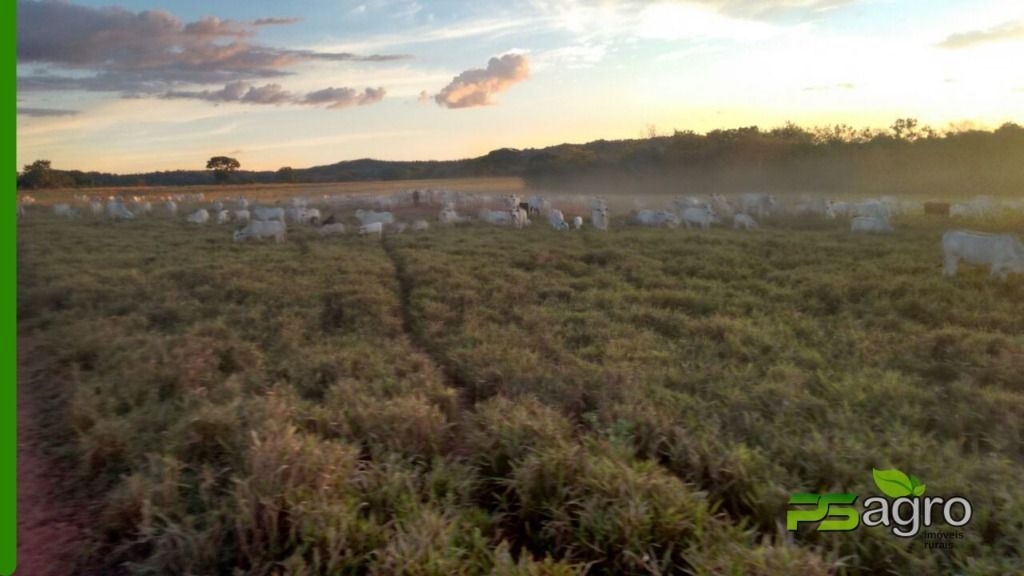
column 172, row 208
column 420, row 226
column 243, row 203
column 703, row 217
column 97, row 208
column 217, row 206
column 201, row 216
column 499, row 217
column 870, row 224
column 815, row 207
column 722, row 205
column 657, row 218
column 448, row 214
column 223, row 217
column 398, row 227
column 117, row 211
column 266, row 214
column 557, row 220
column 1004, row 252
column 64, row 210
column 758, row 203
column 369, row 217
column 577, row 222
column 871, row 208
column 334, row 228
column 260, row 229
column 599, row 213
column 741, row 220
column 143, row 207
column 374, row 228
column 309, row 215
column 243, row 215
column 537, row 204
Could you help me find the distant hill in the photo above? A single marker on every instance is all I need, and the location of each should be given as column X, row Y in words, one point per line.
column 905, row 158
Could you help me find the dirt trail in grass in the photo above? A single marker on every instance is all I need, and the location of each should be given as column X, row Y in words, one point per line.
column 466, row 391
column 52, row 513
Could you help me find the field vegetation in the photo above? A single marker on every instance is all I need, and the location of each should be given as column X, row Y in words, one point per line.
column 478, row 400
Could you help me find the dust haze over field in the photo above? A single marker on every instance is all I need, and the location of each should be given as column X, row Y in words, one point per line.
column 520, row 288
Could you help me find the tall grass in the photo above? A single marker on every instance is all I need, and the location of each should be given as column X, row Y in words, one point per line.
column 477, row 400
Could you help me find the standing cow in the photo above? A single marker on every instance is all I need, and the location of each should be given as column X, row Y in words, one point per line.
column 1003, row 252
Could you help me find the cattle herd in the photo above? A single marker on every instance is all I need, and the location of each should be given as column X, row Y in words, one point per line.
column 376, row 215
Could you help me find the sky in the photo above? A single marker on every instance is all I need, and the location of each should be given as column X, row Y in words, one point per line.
column 136, row 85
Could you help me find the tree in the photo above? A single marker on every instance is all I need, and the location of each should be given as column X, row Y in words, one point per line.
column 39, row 174
column 286, row 174
column 222, row 167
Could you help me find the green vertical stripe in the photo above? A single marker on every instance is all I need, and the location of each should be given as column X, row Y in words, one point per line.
column 8, row 371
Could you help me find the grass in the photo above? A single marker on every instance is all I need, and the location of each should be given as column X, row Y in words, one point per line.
column 479, row 400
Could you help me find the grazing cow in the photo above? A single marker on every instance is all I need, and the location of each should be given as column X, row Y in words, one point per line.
column 657, row 218
column 260, row 229
column 518, row 215
column 223, row 217
column 871, row 208
column 398, row 227
column 536, row 204
column 679, row 205
column 741, row 220
column 370, row 216
column 722, row 205
column 172, row 208
column 870, row 224
column 499, row 217
column 758, row 203
column 937, row 208
column 242, row 215
column 557, row 220
column 117, row 211
column 217, row 206
column 243, row 203
column 702, row 217
column 309, row 216
column 577, row 222
column 420, row 226
column 448, row 214
column 332, row 229
column 96, row 208
column 64, row 210
column 373, row 228
column 962, row 211
column 201, row 216
column 1004, row 252
column 266, row 214
column 841, row 208
column 143, row 207
column 815, row 207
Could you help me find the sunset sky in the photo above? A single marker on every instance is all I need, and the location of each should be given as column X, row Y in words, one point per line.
column 140, row 85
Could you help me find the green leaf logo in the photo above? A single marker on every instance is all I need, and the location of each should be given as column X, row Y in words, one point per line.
column 896, row 484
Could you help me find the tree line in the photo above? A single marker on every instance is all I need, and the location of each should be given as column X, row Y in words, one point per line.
column 904, row 158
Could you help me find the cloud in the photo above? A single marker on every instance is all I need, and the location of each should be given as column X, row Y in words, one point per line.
column 244, row 93
column 148, row 51
column 476, row 87
column 274, row 21
column 45, row 112
column 1005, row 31
column 344, row 97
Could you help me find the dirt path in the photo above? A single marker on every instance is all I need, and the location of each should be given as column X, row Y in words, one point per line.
column 51, row 520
